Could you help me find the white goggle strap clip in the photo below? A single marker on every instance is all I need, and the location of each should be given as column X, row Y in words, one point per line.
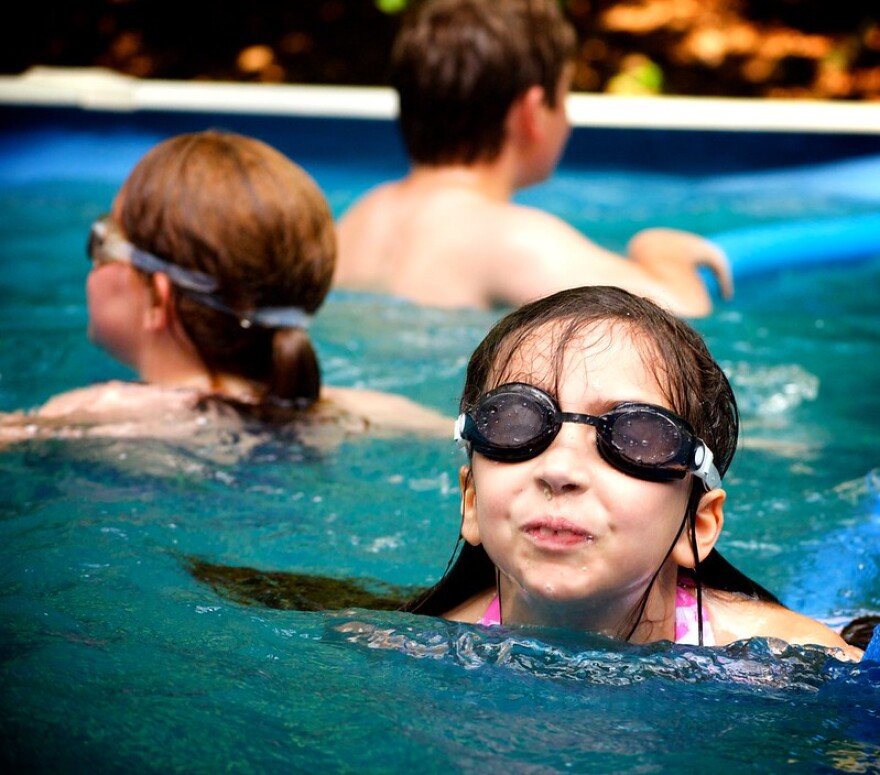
column 704, row 466
column 458, row 433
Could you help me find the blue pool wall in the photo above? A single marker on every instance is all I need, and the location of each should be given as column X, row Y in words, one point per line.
column 377, row 142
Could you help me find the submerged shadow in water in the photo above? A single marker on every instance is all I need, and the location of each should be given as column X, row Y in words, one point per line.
column 298, row 591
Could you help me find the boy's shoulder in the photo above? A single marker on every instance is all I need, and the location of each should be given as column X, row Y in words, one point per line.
column 451, row 216
column 456, row 246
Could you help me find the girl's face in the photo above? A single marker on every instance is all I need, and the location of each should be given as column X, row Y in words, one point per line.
column 118, row 297
column 572, row 536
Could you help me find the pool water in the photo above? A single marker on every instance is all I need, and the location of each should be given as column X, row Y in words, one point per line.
column 114, row 658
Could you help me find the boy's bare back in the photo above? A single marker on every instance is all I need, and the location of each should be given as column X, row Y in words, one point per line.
column 448, row 244
column 477, row 129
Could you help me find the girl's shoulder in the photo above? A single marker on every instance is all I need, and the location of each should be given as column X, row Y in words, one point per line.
column 381, row 414
column 739, row 617
column 114, row 409
column 109, row 400
column 472, row 609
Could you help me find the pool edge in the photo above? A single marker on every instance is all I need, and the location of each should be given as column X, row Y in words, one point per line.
column 105, row 90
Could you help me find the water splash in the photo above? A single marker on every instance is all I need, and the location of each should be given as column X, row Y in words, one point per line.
column 757, row 664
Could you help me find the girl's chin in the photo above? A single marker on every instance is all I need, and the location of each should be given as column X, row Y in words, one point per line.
column 559, row 595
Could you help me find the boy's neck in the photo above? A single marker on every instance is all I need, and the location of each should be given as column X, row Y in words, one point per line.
column 490, row 180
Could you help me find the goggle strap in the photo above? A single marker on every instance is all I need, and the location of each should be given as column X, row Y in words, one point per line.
column 277, row 317
column 118, row 247
column 198, row 286
column 265, row 317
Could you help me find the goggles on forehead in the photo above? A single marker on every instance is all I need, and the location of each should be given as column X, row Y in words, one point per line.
column 517, row 422
column 107, row 244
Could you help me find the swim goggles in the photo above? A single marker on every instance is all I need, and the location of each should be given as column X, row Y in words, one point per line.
column 517, row 422
column 106, row 244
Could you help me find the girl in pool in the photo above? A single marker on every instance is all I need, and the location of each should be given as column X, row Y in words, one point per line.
column 598, row 428
column 205, row 276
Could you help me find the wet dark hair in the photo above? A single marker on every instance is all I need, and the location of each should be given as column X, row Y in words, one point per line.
column 860, row 630
column 694, row 384
column 459, row 65
column 241, row 212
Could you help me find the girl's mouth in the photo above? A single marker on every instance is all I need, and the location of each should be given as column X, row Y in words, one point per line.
column 549, row 532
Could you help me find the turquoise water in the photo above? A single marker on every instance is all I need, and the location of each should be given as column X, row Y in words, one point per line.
column 113, row 658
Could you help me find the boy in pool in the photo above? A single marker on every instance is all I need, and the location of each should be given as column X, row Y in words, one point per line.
column 598, row 427
column 482, row 90
column 204, row 278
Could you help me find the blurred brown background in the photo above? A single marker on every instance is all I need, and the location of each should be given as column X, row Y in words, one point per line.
column 828, row 49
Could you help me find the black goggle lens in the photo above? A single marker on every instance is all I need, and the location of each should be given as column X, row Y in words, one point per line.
column 517, row 422
column 512, row 422
column 645, row 437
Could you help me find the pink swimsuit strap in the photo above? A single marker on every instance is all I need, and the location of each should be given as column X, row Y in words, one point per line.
column 492, row 616
column 686, row 627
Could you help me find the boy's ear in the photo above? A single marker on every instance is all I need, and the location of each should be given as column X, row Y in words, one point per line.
column 707, row 528
column 470, row 530
column 525, row 120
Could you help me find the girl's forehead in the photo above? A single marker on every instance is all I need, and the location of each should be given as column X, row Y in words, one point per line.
column 552, row 354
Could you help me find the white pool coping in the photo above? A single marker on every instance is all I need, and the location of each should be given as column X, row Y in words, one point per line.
column 105, row 90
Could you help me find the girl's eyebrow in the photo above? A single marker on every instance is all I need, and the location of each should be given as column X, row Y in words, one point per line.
column 594, row 407
column 602, row 405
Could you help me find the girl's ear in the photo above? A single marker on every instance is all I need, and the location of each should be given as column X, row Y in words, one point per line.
column 707, row 528
column 470, row 530
column 160, row 312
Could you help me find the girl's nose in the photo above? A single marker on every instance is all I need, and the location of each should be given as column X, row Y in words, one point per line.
column 565, row 466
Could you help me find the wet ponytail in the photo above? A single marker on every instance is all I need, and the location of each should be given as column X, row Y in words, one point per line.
column 296, row 374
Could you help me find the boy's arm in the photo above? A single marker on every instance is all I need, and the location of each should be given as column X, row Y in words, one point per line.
column 674, row 257
column 541, row 254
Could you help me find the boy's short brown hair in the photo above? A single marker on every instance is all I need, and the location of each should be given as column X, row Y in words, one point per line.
column 459, row 65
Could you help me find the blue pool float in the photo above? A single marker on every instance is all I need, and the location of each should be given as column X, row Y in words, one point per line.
column 759, row 250
column 873, row 650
